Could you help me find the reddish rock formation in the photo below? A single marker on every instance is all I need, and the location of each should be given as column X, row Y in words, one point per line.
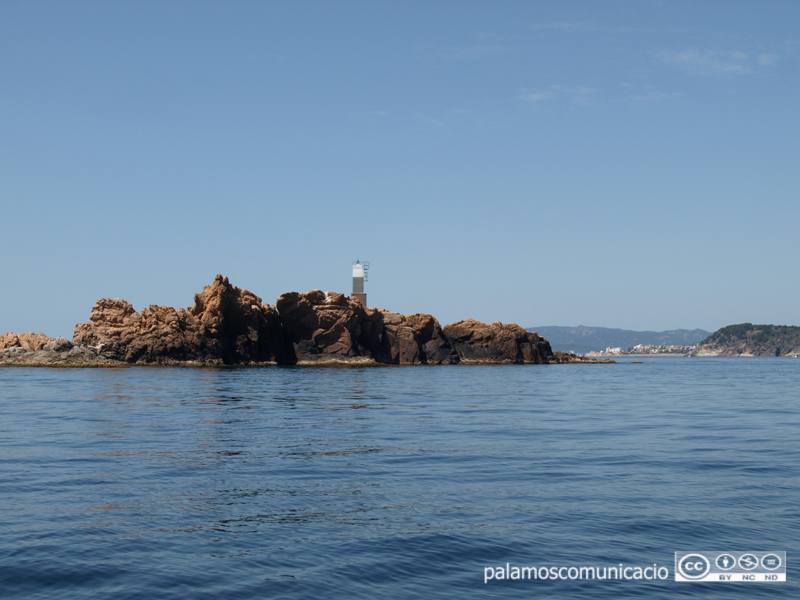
column 416, row 338
column 30, row 342
column 319, row 323
column 331, row 327
column 476, row 341
column 227, row 325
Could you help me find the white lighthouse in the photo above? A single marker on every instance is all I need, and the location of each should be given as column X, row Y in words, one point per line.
column 359, row 277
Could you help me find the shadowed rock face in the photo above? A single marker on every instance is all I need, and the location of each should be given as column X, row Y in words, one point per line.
column 417, row 338
column 226, row 325
column 330, row 326
column 476, row 341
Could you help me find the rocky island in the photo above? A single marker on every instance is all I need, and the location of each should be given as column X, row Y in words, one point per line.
column 747, row 339
column 231, row 326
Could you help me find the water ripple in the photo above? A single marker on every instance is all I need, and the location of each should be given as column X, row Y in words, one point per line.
column 364, row 482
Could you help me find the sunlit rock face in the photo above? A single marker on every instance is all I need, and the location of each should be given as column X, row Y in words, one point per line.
column 226, row 325
column 475, row 341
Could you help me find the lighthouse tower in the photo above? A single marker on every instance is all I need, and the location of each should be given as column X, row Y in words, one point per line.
column 359, row 277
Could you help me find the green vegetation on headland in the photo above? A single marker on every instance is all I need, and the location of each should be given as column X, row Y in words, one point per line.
column 746, row 339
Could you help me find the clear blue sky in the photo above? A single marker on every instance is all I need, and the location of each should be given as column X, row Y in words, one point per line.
column 627, row 164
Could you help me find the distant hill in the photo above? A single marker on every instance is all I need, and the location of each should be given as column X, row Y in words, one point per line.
column 583, row 339
column 747, row 339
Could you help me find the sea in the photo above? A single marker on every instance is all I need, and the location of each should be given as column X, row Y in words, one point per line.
column 397, row 482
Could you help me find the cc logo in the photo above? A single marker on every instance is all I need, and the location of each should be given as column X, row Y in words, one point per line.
column 694, row 566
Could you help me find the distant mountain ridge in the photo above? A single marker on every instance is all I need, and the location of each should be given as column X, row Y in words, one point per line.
column 582, row 339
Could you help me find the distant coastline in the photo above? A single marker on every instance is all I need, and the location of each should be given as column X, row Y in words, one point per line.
column 634, row 355
column 583, row 340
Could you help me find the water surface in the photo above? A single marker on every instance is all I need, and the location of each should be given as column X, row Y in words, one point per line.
column 395, row 482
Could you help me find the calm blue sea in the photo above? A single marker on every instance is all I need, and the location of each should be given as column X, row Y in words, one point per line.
column 393, row 482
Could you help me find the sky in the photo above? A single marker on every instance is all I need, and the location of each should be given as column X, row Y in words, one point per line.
column 631, row 164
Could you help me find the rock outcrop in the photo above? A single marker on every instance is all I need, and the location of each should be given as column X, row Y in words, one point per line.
column 227, row 325
column 28, row 342
column 475, row 341
column 333, row 327
column 417, row 338
column 39, row 350
column 230, row 326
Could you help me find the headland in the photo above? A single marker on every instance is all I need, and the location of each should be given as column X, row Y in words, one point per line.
column 746, row 339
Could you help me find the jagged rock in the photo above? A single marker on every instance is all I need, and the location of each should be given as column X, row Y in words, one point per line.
column 333, row 327
column 60, row 344
column 29, row 342
column 319, row 323
column 227, row 325
column 14, row 350
column 77, row 356
column 417, row 338
column 476, row 341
